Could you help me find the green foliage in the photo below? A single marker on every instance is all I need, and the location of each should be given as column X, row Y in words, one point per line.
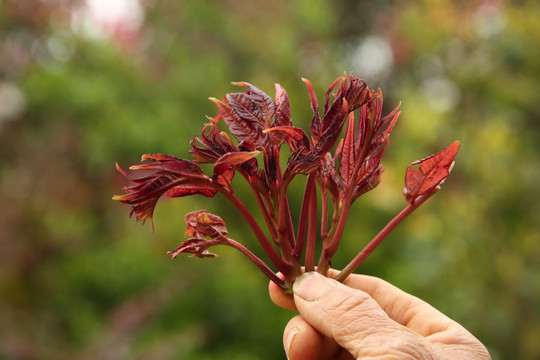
column 78, row 279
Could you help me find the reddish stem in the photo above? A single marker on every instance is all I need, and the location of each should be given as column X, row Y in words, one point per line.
column 377, row 240
column 330, row 249
column 302, row 222
column 259, row 263
column 324, row 215
column 312, row 230
column 267, row 217
column 284, row 267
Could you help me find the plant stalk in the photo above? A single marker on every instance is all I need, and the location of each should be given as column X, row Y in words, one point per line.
column 377, row 240
column 284, row 267
column 312, row 230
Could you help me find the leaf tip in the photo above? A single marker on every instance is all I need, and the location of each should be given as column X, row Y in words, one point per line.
column 239, row 83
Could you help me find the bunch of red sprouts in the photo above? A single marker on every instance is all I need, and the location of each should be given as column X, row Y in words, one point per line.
column 338, row 169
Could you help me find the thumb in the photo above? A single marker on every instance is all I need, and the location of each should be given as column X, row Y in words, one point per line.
column 355, row 320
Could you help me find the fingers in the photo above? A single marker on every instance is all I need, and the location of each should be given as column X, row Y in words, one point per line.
column 280, row 298
column 378, row 307
column 355, row 320
column 303, row 342
column 401, row 307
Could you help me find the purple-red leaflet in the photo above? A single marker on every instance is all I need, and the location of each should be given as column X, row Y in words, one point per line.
column 432, row 172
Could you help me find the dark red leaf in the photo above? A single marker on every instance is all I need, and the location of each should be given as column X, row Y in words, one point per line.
column 325, row 132
column 169, row 164
column 431, row 174
column 245, row 108
column 329, row 175
column 348, row 153
column 332, row 125
column 382, row 130
column 295, row 137
column 242, row 128
column 224, row 179
column 315, row 126
column 214, row 145
column 339, row 81
column 282, row 116
column 262, row 105
column 202, row 224
column 206, row 229
column 191, row 189
column 369, row 177
column 197, row 247
column 228, row 160
column 170, row 176
column 301, row 163
column 357, row 94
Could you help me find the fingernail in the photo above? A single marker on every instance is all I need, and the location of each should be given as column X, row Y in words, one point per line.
column 312, row 286
column 289, row 339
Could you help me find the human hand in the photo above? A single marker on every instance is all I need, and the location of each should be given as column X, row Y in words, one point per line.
column 366, row 317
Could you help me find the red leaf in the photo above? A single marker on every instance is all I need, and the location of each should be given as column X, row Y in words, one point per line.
column 245, row 108
column 431, row 174
column 214, row 145
column 195, row 246
column 262, row 105
column 228, row 160
column 242, row 128
column 207, row 230
column 339, row 81
column 202, row 224
column 169, row 164
column 348, row 154
column 191, row 189
column 332, row 125
column 357, row 93
column 282, row 116
column 295, row 137
column 171, row 176
column 316, row 121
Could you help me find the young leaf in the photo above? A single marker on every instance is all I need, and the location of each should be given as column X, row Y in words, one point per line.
column 172, row 177
column 431, row 174
column 214, row 145
column 228, row 160
column 261, row 105
column 316, row 122
column 245, row 127
column 347, row 151
column 202, row 224
column 282, row 116
column 295, row 137
column 197, row 247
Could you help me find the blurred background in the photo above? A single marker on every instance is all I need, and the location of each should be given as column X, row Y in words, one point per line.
column 85, row 84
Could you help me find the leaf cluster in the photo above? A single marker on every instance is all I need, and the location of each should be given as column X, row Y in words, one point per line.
column 338, row 169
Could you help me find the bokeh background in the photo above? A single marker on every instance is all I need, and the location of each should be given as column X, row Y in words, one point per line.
column 85, row 84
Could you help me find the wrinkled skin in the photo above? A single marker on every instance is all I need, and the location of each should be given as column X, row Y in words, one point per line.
column 368, row 318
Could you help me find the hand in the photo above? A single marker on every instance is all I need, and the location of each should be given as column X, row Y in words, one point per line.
column 366, row 317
